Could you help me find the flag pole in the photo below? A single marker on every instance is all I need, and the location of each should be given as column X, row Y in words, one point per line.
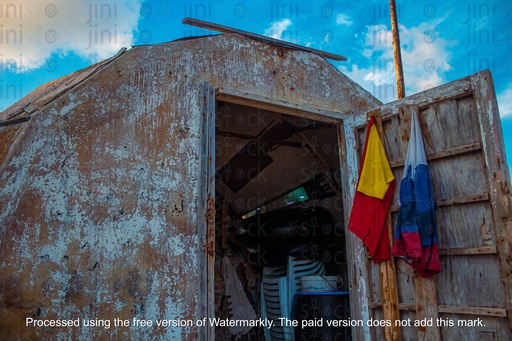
column 387, row 269
column 399, row 72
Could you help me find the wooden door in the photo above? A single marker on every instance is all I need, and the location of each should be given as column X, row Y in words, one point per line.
column 471, row 298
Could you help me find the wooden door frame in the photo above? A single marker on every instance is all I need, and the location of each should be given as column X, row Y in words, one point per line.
column 210, row 98
column 359, row 266
column 206, row 206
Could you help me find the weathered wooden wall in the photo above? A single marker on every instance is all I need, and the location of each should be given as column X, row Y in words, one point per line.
column 465, row 152
column 101, row 212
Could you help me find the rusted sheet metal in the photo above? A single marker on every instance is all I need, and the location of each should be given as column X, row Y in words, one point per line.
column 48, row 92
column 7, row 137
column 99, row 215
column 102, row 213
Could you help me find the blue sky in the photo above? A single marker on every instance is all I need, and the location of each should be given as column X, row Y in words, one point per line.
column 441, row 40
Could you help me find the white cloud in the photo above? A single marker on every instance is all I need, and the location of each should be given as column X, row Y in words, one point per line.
column 277, row 28
column 32, row 30
column 425, row 59
column 342, row 19
column 505, row 102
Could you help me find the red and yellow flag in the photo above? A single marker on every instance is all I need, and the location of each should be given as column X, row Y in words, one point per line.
column 368, row 219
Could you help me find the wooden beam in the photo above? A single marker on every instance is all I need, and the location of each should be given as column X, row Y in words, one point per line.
column 497, row 175
column 389, row 292
column 225, row 29
column 457, row 89
column 445, row 153
column 237, row 135
column 483, row 311
column 469, row 251
column 359, row 285
column 426, row 307
column 463, row 199
column 13, row 121
column 465, row 251
column 388, row 282
column 459, row 200
column 279, row 106
column 452, row 309
column 208, row 181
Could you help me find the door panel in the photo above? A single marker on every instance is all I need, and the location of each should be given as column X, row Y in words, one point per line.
column 465, row 152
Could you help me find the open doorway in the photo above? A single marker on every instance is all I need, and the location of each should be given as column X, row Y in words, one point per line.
column 278, row 200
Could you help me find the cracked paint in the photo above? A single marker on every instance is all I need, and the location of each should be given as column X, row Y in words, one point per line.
column 101, row 208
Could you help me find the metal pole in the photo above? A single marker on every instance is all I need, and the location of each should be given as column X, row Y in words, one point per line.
column 400, row 88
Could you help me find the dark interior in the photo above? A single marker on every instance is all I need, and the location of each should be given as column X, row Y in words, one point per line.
column 278, row 194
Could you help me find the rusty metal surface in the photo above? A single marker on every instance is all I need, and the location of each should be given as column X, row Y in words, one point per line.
column 48, row 92
column 101, row 214
column 7, row 137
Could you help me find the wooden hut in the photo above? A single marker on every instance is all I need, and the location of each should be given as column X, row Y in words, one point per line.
column 121, row 182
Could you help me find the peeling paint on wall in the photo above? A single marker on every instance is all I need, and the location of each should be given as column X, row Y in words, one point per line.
column 100, row 200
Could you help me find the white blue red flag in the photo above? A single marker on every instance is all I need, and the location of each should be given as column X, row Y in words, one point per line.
column 415, row 237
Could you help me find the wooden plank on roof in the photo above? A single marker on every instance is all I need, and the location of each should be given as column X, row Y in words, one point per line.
column 14, row 121
column 225, row 29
